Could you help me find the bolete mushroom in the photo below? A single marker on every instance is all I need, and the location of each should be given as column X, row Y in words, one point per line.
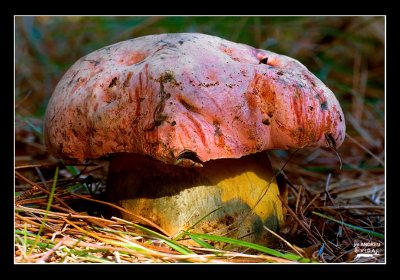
column 186, row 119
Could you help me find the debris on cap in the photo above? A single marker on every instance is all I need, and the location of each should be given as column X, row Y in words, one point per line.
column 189, row 98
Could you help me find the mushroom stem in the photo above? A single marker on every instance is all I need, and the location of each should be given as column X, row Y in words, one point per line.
column 231, row 197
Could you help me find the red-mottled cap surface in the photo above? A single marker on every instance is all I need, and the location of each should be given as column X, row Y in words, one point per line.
column 189, row 96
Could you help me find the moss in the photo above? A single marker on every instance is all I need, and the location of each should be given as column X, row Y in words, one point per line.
column 168, row 77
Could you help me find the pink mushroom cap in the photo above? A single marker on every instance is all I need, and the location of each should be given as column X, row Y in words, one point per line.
column 189, row 96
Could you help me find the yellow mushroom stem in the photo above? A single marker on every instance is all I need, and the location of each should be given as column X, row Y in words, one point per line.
column 230, row 197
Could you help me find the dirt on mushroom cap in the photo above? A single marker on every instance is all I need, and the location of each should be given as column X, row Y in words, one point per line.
column 188, row 97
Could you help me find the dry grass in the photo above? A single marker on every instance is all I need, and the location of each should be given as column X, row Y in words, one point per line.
column 74, row 230
column 345, row 53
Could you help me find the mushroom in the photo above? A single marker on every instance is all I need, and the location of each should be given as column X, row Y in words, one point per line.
column 186, row 119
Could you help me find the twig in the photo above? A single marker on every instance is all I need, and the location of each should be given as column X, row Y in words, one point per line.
column 284, row 240
column 50, row 252
column 365, row 134
column 365, row 149
column 311, row 202
column 327, row 194
column 42, row 189
column 314, row 239
column 342, row 207
column 32, row 222
column 63, row 215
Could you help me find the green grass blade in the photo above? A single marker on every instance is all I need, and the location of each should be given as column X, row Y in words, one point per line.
column 179, row 236
column 196, row 223
column 132, row 246
column 250, row 245
column 49, row 203
column 367, row 231
column 75, row 172
column 173, row 244
column 199, row 241
column 36, row 129
column 25, row 234
column 44, row 244
column 86, row 255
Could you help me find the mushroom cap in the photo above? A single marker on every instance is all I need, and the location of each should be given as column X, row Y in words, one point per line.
column 188, row 97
